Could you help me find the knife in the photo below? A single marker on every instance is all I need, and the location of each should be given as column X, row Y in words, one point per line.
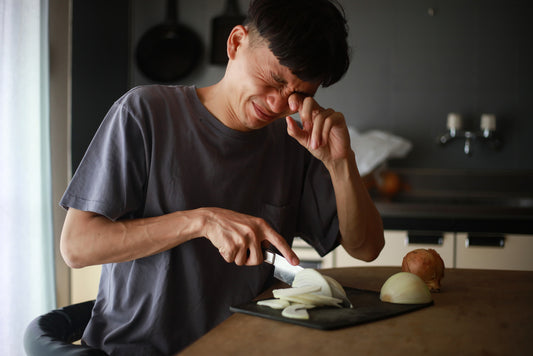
column 283, row 270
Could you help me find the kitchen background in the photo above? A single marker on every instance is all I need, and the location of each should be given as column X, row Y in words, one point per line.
column 413, row 62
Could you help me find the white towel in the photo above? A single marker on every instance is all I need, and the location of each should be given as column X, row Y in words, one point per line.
column 374, row 147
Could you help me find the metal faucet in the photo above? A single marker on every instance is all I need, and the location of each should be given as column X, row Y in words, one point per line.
column 487, row 132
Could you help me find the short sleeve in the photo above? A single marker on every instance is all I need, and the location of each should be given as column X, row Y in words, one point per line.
column 111, row 177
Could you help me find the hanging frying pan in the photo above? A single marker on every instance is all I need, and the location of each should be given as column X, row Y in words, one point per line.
column 221, row 27
column 169, row 51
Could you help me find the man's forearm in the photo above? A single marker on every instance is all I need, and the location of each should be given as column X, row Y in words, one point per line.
column 90, row 239
column 360, row 224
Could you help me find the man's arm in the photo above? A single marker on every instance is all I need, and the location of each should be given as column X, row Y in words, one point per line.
column 359, row 221
column 90, row 239
column 325, row 134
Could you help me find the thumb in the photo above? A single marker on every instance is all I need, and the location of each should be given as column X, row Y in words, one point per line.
column 295, row 131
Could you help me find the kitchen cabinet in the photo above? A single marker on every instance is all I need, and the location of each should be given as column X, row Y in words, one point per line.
column 309, row 258
column 511, row 252
column 397, row 245
column 84, row 283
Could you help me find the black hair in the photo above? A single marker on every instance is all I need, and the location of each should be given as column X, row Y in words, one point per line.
column 307, row 36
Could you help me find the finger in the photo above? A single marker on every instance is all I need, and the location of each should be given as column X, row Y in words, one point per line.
column 320, row 118
column 303, row 136
column 241, row 256
column 227, row 255
column 306, row 109
column 295, row 131
column 306, row 112
column 295, row 102
column 255, row 256
column 316, row 134
column 322, row 127
column 284, row 248
column 328, row 124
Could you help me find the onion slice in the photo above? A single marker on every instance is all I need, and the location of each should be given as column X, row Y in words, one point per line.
column 297, row 311
column 274, row 303
column 314, row 299
column 285, row 292
column 311, row 277
column 338, row 292
column 329, row 287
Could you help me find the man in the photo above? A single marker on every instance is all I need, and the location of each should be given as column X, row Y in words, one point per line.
column 182, row 186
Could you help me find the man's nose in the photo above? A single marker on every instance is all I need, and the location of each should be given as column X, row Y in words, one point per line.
column 278, row 102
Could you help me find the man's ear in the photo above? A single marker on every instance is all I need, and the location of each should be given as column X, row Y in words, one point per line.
column 235, row 39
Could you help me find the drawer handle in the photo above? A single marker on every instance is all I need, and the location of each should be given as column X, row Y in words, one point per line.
column 425, row 238
column 485, row 241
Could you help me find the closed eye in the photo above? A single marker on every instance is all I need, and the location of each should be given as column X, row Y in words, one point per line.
column 279, row 80
column 282, row 83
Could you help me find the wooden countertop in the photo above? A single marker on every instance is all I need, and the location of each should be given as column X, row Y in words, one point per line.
column 477, row 312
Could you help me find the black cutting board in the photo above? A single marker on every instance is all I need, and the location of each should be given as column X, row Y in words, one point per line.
column 367, row 307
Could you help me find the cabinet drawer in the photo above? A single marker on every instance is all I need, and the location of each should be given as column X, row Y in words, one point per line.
column 398, row 244
column 84, row 283
column 513, row 253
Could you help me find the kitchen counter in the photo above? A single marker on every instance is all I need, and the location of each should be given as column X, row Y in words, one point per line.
column 477, row 312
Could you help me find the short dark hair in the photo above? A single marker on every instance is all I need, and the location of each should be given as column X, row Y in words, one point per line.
column 307, row 36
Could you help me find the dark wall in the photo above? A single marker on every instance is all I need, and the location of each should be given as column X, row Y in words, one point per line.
column 409, row 70
column 99, row 66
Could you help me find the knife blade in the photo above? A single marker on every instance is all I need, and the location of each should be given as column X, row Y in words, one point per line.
column 283, row 270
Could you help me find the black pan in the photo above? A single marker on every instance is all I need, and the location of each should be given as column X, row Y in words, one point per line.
column 169, row 51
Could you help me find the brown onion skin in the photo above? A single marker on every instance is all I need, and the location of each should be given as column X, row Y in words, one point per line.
column 426, row 264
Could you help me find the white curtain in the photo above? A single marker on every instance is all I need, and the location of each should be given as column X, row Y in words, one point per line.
column 26, row 237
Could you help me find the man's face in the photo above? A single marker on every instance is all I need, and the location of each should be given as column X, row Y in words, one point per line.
column 262, row 87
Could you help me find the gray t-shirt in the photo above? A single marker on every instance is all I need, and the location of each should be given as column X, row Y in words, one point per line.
column 159, row 150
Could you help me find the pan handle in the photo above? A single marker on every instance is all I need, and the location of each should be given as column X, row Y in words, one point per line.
column 232, row 8
column 172, row 9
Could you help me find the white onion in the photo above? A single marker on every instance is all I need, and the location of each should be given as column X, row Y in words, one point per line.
column 274, row 303
column 329, row 287
column 405, row 288
column 309, row 289
column 313, row 299
column 337, row 291
column 278, row 293
column 311, row 277
column 297, row 311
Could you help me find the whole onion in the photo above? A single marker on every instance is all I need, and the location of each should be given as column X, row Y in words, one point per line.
column 427, row 264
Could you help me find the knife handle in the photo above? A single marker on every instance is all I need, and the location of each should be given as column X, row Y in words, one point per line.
column 269, row 257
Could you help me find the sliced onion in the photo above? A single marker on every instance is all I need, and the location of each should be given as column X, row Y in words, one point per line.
column 337, row 291
column 311, row 277
column 309, row 289
column 295, row 291
column 297, row 311
column 314, row 299
column 274, row 303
